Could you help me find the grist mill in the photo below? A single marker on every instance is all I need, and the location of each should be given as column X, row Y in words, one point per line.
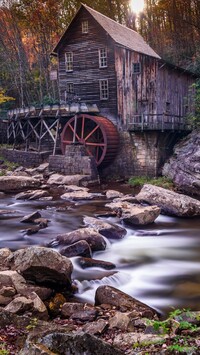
column 121, row 109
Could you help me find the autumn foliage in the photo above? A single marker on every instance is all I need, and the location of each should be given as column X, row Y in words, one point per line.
column 29, row 30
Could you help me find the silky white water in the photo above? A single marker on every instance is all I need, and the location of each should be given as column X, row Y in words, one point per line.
column 157, row 264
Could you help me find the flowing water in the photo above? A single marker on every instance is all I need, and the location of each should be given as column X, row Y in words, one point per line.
column 158, row 264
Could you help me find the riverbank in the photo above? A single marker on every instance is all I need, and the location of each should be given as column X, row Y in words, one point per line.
column 126, row 330
column 42, row 314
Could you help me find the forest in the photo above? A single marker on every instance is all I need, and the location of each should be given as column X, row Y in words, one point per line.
column 29, row 30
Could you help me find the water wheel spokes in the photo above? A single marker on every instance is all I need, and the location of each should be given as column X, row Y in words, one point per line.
column 97, row 134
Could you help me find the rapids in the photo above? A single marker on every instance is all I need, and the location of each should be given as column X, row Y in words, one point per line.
column 158, row 264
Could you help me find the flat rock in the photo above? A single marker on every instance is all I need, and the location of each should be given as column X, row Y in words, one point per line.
column 89, row 262
column 134, row 214
column 114, row 297
column 42, row 265
column 73, row 188
column 93, row 238
column 58, row 179
column 108, row 230
column 113, row 194
column 17, row 183
column 129, row 339
column 32, row 195
column 79, row 195
column 170, row 202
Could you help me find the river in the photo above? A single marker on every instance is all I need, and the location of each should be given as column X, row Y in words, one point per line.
column 158, row 264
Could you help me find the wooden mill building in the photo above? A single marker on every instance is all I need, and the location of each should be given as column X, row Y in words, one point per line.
column 117, row 96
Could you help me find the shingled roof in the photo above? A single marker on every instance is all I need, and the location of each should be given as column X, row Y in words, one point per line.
column 122, row 35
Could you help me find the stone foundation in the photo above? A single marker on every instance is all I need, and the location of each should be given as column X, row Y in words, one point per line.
column 74, row 162
column 141, row 154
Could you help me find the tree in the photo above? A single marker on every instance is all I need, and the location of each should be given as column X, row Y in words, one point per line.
column 4, row 98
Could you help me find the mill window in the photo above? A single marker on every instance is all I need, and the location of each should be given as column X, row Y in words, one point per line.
column 69, row 61
column 104, row 91
column 70, row 88
column 168, row 107
column 102, row 57
column 84, row 26
column 136, row 68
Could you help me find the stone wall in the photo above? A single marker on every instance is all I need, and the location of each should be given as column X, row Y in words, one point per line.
column 27, row 159
column 141, row 154
column 75, row 161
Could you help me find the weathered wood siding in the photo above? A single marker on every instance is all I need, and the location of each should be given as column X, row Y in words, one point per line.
column 174, row 91
column 86, row 72
column 136, row 93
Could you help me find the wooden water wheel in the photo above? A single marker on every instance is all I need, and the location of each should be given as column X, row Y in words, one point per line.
column 97, row 134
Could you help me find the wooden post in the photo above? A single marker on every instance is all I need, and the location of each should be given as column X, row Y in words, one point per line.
column 56, row 136
column 75, row 125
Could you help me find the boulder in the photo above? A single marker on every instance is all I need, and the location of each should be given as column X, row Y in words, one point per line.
column 93, row 238
column 32, row 195
column 7, row 291
column 134, row 214
column 108, row 230
column 39, row 309
column 42, row 222
column 42, row 265
column 120, row 321
column 10, row 278
column 19, row 305
column 88, row 262
column 170, row 202
column 80, row 248
column 86, row 315
column 110, row 295
column 113, row 194
column 184, row 165
column 17, row 183
column 96, row 328
column 78, row 343
column 31, row 230
column 4, row 254
column 68, row 308
column 12, row 282
column 30, row 218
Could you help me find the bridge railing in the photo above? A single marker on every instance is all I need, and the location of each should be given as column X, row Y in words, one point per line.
column 160, row 122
